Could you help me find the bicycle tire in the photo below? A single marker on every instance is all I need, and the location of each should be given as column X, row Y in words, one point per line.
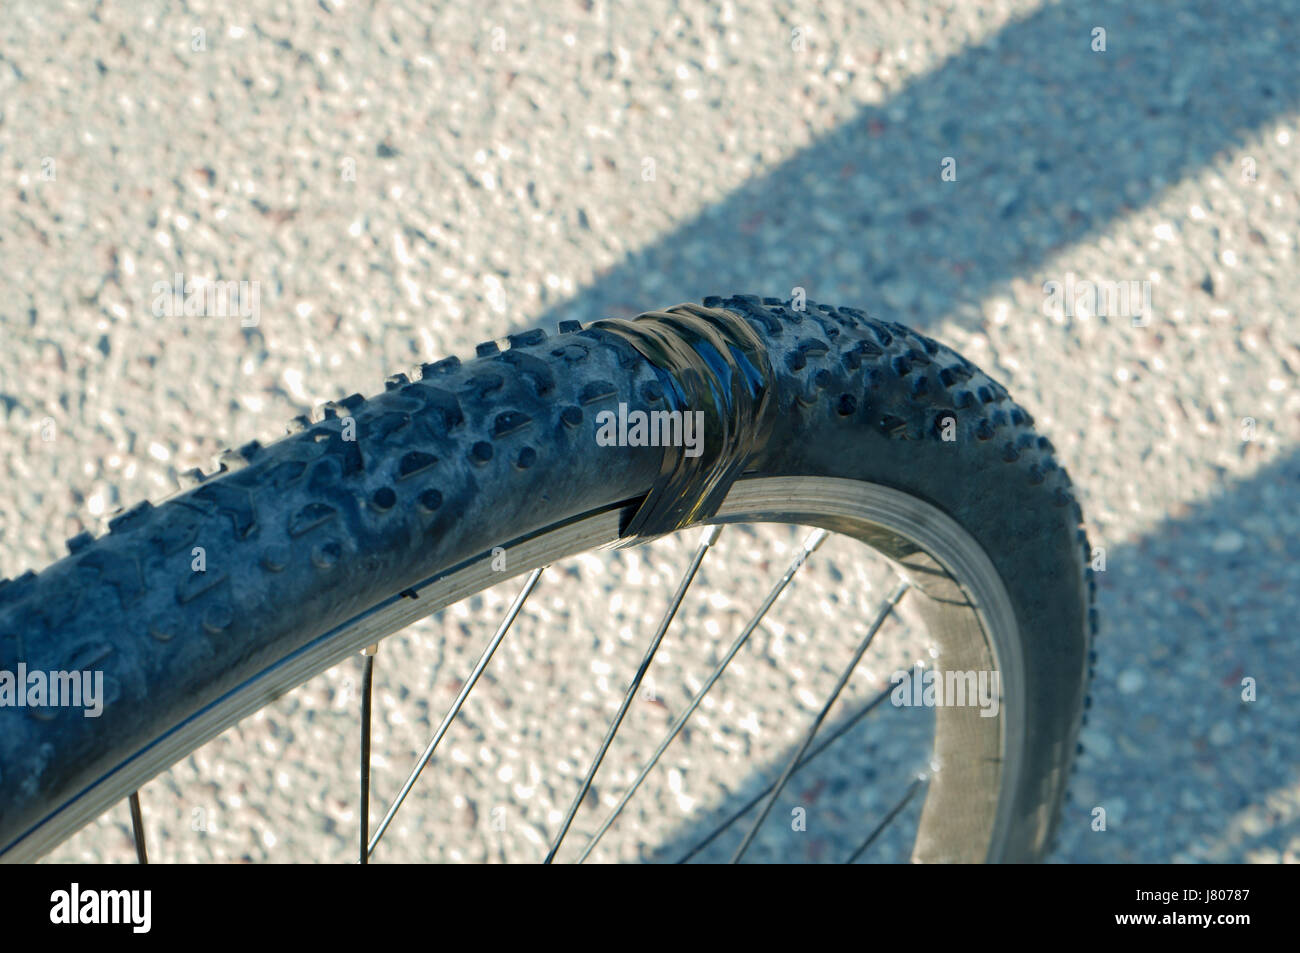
column 302, row 536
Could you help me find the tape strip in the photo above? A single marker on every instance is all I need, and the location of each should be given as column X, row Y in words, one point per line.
column 710, row 360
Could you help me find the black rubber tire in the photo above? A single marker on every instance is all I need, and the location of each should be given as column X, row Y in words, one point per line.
column 301, row 536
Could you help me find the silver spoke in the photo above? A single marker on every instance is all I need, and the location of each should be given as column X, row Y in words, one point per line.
column 814, row 540
column 367, row 699
column 137, row 828
column 893, row 813
column 790, row 768
column 707, row 540
column 486, row 657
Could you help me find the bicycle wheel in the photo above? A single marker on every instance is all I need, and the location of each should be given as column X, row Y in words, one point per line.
column 312, row 547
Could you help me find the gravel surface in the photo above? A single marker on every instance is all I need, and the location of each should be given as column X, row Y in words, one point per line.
column 403, row 182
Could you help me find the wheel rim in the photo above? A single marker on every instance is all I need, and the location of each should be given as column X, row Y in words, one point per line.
column 969, row 806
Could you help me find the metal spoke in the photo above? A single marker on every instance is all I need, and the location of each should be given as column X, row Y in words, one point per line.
column 707, row 540
column 833, row 737
column 367, row 697
column 815, row 539
column 137, row 828
column 888, row 607
column 518, row 604
column 893, row 813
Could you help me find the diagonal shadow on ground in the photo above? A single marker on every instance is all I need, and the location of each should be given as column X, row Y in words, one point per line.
column 1053, row 142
